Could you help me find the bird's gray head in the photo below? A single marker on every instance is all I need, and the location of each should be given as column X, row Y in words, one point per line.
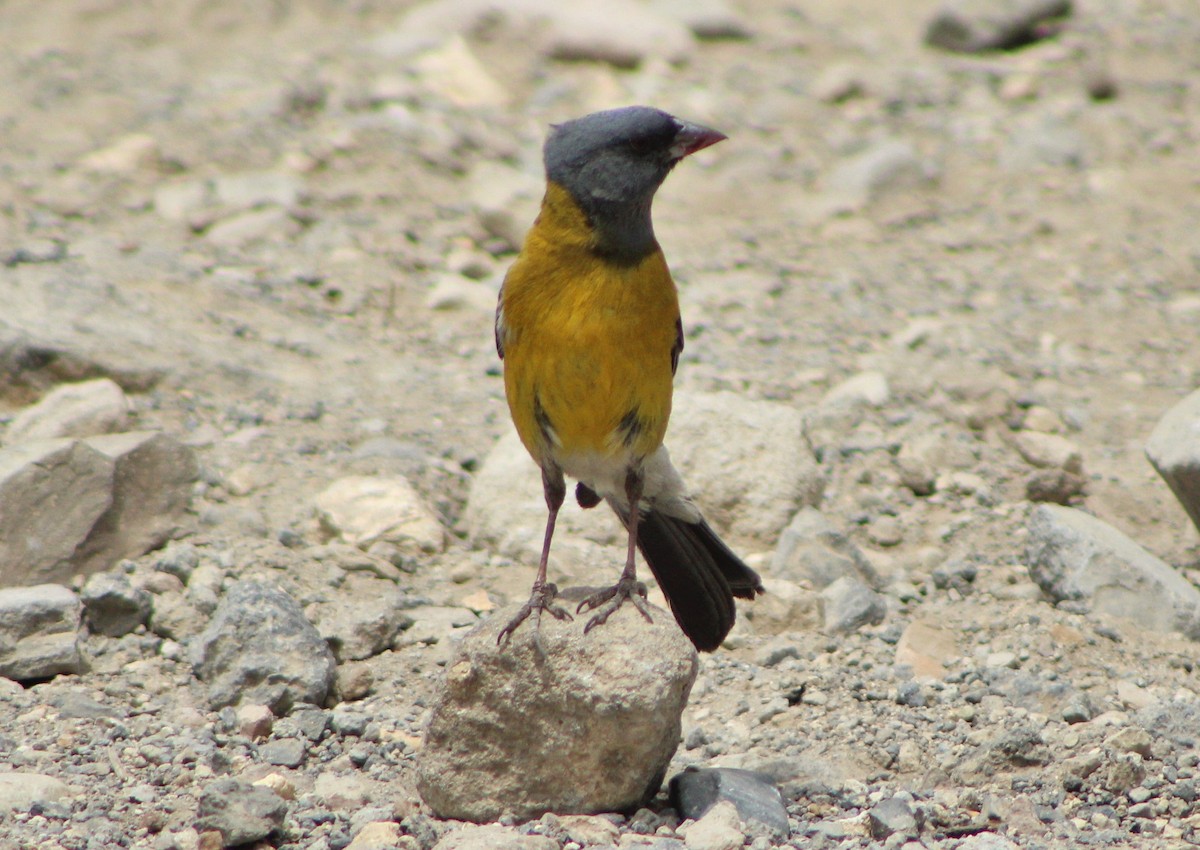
column 612, row 163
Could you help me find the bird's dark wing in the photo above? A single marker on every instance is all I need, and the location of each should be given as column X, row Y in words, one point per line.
column 676, row 349
column 498, row 328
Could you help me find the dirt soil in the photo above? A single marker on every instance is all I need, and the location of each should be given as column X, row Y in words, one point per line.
column 1031, row 242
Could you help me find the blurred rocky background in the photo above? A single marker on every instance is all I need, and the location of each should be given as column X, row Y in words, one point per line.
column 940, row 289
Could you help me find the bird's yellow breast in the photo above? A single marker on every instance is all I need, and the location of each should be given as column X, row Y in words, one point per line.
column 587, row 342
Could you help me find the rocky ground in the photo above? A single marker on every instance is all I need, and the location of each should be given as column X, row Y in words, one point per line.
column 931, row 296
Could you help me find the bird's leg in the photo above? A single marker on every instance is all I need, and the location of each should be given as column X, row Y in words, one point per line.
column 541, row 596
column 627, row 586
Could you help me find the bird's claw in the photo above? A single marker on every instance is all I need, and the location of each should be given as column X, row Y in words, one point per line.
column 541, row 599
column 606, row 601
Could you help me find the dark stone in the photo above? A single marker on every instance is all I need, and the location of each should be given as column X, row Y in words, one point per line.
column 754, row 794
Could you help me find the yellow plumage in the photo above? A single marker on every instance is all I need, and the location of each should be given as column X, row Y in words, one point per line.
column 587, row 343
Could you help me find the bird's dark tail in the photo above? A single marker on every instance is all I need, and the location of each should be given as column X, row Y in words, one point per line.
column 697, row 573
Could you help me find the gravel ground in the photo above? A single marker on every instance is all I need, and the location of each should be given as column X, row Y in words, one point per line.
column 974, row 278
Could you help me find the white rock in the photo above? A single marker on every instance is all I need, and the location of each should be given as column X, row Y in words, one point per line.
column 72, row 410
column 19, row 792
column 719, row 829
column 363, row 510
column 452, row 71
column 1048, row 451
column 181, row 199
column 621, row 32
column 869, row 388
column 245, row 227
column 124, row 156
column 455, row 292
column 252, row 189
column 376, row 835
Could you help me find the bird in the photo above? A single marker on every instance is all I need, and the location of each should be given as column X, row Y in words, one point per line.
column 589, row 333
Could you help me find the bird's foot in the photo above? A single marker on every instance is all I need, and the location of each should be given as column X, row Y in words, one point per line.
column 611, row 598
column 541, row 599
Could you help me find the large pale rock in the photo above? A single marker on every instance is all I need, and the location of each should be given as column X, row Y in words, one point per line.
column 751, row 470
column 153, row 475
column 72, row 410
column 20, row 791
column 621, row 32
column 1073, row 555
column 52, row 493
column 1174, row 451
column 259, row 648
column 812, row 548
column 564, row 722
column 39, row 629
column 77, row 507
column 364, row 509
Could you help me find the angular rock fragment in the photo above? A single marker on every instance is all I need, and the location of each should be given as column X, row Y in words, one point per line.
column 39, row 629
column 260, row 648
column 1073, row 555
column 566, row 722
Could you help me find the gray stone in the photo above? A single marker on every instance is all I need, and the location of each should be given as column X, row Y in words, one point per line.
column 39, row 629
column 259, row 648
column 1174, row 451
column 886, row 166
column 173, row 616
column 287, row 752
column 850, row 605
column 362, row 619
column 892, row 816
column 562, row 722
column 52, row 492
column 239, row 811
column 755, row 796
column 1043, row 140
column 72, row 410
column 179, row 560
column 112, row 605
column 972, row 26
column 20, row 792
column 1074, row 556
column 151, row 492
column 70, row 507
column 811, row 548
